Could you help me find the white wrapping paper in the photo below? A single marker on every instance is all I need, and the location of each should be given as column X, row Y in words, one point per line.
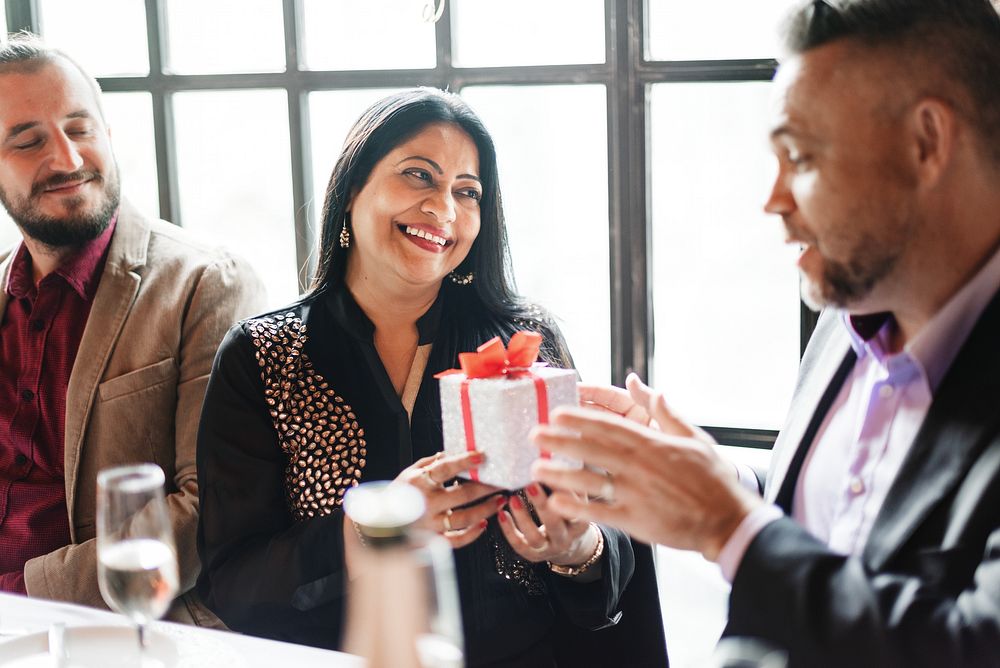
column 504, row 410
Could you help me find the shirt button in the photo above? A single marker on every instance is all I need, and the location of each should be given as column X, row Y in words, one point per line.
column 20, row 460
column 38, row 324
column 886, row 391
column 857, row 486
column 27, row 395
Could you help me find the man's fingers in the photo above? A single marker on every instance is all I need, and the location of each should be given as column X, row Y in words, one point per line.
column 584, row 482
column 593, row 437
column 668, row 421
column 613, row 398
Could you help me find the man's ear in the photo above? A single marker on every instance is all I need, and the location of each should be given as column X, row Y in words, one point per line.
column 932, row 130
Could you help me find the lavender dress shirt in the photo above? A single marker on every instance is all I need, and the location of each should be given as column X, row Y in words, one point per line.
column 868, row 430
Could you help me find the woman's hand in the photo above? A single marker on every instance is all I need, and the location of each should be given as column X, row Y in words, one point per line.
column 459, row 511
column 556, row 540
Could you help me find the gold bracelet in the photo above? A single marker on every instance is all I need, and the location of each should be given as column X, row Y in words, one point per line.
column 573, row 571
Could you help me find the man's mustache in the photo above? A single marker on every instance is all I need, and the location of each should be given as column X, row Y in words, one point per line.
column 62, row 179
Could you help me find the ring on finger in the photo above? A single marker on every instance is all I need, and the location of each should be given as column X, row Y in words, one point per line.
column 446, row 521
column 425, row 473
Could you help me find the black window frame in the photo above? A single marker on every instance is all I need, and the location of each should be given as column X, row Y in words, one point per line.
column 627, row 75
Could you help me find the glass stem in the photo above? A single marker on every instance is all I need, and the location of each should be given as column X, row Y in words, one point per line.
column 141, row 628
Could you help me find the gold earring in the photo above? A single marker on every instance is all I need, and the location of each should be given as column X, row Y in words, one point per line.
column 462, row 279
column 345, row 236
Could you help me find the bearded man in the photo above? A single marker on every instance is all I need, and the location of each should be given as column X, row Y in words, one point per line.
column 109, row 323
column 877, row 540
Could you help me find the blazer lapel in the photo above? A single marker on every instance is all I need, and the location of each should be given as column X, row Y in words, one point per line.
column 823, row 369
column 112, row 303
column 4, row 272
column 961, row 418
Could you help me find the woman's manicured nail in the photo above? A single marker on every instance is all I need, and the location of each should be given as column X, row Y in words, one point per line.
column 477, row 458
column 533, row 490
column 516, row 503
column 502, row 517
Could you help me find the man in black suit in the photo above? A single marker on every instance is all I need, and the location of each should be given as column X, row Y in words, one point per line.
column 877, row 540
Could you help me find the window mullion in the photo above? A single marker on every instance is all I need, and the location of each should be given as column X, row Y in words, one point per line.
column 300, row 143
column 163, row 114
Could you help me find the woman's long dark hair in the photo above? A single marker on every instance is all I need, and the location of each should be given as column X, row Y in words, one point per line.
column 491, row 304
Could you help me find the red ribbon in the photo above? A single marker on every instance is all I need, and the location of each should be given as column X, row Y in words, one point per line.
column 492, row 360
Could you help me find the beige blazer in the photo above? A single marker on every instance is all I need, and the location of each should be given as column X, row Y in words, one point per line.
column 163, row 305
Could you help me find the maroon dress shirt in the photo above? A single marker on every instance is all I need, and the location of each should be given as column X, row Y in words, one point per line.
column 40, row 332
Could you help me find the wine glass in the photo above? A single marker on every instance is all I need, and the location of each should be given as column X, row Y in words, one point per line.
column 136, row 557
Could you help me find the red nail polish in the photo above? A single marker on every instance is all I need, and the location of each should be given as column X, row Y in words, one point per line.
column 533, row 490
column 501, row 502
column 482, row 524
column 477, row 458
column 502, row 517
column 515, row 502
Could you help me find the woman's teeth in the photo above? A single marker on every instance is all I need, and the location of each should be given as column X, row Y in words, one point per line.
column 413, row 231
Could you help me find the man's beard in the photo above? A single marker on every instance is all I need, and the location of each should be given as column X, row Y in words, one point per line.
column 80, row 226
column 846, row 283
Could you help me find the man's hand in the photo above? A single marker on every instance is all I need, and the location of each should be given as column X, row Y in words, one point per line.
column 663, row 483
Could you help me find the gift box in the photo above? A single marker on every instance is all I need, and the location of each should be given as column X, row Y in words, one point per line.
column 494, row 401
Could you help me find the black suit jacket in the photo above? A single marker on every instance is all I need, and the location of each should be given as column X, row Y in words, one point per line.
column 926, row 589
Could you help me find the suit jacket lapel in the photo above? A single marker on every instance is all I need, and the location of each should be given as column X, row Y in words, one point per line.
column 821, row 373
column 961, row 418
column 112, row 303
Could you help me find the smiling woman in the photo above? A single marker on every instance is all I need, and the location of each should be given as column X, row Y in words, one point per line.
column 339, row 388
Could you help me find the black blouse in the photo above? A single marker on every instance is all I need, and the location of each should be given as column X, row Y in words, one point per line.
column 299, row 406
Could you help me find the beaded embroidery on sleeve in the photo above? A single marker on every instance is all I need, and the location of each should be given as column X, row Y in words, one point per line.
column 320, row 433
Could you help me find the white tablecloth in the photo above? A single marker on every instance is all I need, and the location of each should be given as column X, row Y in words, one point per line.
column 20, row 616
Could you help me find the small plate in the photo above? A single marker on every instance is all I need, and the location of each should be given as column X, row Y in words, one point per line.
column 92, row 647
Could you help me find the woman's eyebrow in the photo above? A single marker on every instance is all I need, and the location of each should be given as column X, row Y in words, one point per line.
column 437, row 167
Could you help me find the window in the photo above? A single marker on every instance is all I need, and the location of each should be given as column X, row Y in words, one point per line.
column 629, row 133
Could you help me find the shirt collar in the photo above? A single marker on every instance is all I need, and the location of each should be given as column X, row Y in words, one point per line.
column 352, row 318
column 81, row 271
column 935, row 346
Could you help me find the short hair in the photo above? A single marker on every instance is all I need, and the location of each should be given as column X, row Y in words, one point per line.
column 27, row 53
column 954, row 45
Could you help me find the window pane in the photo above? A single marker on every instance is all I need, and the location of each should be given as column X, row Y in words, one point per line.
column 331, row 115
column 720, row 271
column 367, row 35
column 107, row 38
column 224, row 36
column 235, row 179
column 684, row 30
column 9, row 234
column 130, row 117
column 527, row 32
column 552, row 148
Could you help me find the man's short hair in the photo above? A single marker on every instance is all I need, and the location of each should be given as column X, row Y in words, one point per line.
column 26, row 52
column 951, row 47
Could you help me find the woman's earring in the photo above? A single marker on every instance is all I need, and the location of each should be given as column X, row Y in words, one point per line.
column 345, row 235
column 462, row 279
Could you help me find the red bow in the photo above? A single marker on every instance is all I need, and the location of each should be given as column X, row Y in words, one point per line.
column 491, row 359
